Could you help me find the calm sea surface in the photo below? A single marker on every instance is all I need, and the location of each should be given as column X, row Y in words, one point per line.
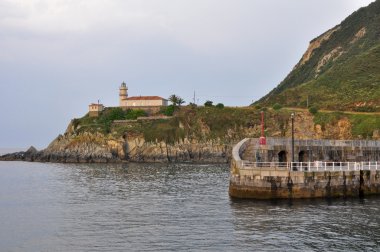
column 150, row 207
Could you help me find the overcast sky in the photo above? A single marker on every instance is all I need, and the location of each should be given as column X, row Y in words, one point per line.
column 57, row 56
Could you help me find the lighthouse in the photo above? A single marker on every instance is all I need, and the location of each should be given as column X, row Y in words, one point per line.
column 123, row 94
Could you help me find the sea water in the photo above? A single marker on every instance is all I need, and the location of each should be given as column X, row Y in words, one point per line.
column 160, row 207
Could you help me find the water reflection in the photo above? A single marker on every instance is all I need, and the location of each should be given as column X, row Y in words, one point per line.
column 317, row 224
column 160, row 207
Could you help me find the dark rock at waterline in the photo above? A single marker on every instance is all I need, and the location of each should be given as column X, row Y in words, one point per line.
column 32, row 154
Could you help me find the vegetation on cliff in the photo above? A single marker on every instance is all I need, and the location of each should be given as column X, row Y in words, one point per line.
column 104, row 122
column 225, row 125
column 191, row 122
column 339, row 71
column 363, row 126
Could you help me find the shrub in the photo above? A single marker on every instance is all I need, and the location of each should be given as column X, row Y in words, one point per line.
column 277, row 106
column 134, row 114
column 75, row 122
column 208, row 104
column 166, row 131
column 313, row 110
column 168, row 111
column 220, row 105
column 114, row 114
column 108, row 116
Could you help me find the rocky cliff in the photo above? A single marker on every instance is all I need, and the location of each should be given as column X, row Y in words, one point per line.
column 98, row 147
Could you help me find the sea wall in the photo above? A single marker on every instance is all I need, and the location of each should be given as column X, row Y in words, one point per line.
column 281, row 183
column 266, row 184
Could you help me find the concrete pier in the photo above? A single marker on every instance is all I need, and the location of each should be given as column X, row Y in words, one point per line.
column 350, row 177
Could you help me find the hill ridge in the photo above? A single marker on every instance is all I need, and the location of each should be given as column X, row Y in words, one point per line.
column 339, row 70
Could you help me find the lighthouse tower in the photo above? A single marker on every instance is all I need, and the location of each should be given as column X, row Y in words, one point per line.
column 123, row 94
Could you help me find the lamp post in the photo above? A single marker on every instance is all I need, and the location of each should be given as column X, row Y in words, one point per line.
column 292, row 116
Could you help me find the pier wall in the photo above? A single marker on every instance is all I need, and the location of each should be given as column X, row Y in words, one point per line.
column 282, row 183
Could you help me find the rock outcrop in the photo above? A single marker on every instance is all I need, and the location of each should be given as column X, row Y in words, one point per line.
column 315, row 44
column 99, row 148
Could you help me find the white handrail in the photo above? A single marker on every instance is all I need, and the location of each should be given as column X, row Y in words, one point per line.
column 311, row 166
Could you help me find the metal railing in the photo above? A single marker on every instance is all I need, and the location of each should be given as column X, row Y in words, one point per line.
column 311, row 166
column 266, row 165
column 325, row 143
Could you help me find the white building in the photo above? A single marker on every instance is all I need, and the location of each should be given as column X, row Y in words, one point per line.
column 139, row 101
column 95, row 109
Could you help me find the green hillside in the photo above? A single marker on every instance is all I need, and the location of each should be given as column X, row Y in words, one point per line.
column 340, row 70
column 225, row 125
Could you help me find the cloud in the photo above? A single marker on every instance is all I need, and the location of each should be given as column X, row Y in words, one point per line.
column 205, row 25
column 59, row 55
column 56, row 16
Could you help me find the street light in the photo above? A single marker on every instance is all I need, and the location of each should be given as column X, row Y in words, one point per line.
column 292, row 116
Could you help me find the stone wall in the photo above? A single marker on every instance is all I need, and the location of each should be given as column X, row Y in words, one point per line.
column 281, row 183
column 286, row 185
column 312, row 150
column 150, row 110
column 144, row 103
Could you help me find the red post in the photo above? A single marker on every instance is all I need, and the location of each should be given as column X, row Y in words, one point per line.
column 262, row 140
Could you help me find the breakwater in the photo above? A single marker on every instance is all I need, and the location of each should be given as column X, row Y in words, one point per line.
column 309, row 179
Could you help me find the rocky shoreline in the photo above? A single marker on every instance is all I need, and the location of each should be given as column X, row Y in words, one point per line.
column 43, row 157
column 62, row 150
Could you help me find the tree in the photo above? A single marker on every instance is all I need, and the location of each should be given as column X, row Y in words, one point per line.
column 208, row 104
column 219, row 105
column 180, row 101
column 174, row 99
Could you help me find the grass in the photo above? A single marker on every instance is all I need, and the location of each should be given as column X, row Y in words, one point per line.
column 201, row 123
column 224, row 125
column 363, row 125
column 327, row 118
column 103, row 123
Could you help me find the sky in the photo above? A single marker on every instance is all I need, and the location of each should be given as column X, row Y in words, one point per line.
column 58, row 56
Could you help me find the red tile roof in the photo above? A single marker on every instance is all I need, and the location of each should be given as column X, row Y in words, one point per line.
column 139, row 98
